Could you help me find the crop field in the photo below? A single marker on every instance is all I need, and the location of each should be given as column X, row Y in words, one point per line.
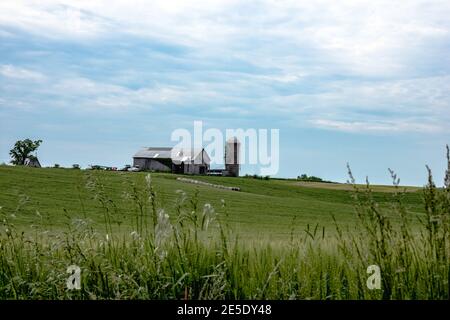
column 151, row 236
column 263, row 208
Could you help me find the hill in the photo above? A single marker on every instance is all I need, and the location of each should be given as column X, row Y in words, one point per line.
column 263, row 208
column 110, row 226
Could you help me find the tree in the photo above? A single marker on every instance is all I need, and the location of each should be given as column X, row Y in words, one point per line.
column 304, row 176
column 22, row 150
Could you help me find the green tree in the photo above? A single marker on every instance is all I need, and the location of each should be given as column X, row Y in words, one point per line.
column 22, row 150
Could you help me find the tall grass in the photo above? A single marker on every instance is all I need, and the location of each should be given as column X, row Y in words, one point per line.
column 189, row 252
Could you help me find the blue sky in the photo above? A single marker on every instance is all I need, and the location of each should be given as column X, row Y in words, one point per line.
column 362, row 82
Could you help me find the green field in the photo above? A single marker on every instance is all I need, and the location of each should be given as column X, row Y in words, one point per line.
column 262, row 209
column 142, row 236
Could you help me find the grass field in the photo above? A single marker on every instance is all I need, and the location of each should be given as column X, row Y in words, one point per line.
column 263, row 208
column 141, row 236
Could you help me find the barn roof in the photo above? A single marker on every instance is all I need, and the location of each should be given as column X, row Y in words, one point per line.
column 160, row 153
column 187, row 155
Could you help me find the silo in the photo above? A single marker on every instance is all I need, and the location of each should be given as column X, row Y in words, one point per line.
column 232, row 154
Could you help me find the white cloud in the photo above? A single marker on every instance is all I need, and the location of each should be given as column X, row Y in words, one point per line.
column 94, row 95
column 5, row 34
column 51, row 19
column 412, row 105
column 359, row 37
column 399, row 125
column 347, row 65
column 19, row 73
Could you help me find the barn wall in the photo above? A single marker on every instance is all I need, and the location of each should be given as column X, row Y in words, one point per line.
column 150, row 164
column 196, row 169
column 190, row 168
column 157, row 166
column 140, row 162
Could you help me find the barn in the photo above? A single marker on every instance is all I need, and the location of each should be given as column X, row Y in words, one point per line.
column 188, row 161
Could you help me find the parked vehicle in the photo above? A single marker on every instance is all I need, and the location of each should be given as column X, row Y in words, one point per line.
column 134, row 169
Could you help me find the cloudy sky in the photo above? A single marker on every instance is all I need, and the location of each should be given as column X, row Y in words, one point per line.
column 364, row 82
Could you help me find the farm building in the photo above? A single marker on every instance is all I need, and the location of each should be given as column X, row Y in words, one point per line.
column 32, row 162
column 231, row 158
column 193, row 161
column 188, row 161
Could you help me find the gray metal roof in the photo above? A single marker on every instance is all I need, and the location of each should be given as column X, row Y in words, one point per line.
column 159, row 153
column 189, row 155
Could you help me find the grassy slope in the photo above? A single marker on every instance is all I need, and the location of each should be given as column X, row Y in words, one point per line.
column 262, row 208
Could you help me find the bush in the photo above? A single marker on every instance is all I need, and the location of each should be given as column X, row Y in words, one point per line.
column 305, row 177
column 255, row 176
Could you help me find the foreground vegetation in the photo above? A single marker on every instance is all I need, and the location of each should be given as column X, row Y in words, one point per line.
column 188, row 248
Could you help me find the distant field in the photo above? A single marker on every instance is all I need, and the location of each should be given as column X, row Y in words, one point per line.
column 262, row 209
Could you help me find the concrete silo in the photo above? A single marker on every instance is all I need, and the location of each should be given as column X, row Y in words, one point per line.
column 232, row 154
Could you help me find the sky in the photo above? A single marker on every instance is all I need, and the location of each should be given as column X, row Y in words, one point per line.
column 359, row 82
